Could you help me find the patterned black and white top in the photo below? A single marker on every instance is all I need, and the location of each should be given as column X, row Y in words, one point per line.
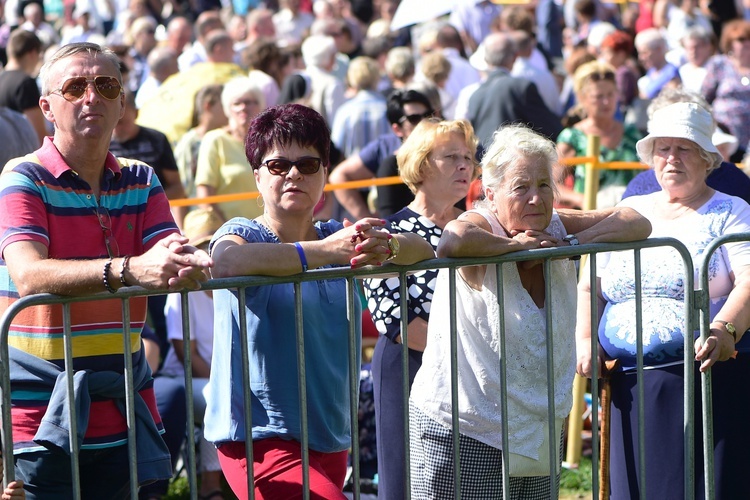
column 383, row 294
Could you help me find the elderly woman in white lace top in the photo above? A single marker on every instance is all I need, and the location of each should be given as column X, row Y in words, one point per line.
column 517, row 215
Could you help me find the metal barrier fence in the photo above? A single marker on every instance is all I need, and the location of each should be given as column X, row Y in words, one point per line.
column 695, row 303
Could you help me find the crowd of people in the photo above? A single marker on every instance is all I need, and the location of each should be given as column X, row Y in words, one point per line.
column 112, row 109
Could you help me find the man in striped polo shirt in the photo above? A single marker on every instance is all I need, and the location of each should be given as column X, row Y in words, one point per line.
column 77, row 221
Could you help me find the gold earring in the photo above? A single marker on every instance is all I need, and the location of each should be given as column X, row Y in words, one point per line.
column 259, row 201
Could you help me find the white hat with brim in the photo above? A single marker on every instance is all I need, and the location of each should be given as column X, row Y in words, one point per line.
column 681, row 120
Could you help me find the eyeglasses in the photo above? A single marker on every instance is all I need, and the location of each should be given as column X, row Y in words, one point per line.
column 415, row 118
column 74, row 88
column 105, row 222
column 280, row 166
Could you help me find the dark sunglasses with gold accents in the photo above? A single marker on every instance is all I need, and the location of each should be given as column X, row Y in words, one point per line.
column 306, row 165
column 415, row 118
column 74, row 88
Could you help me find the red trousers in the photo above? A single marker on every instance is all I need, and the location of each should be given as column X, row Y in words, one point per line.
column 278, row 470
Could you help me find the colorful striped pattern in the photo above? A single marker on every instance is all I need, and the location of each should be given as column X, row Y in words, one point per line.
column 51, row 205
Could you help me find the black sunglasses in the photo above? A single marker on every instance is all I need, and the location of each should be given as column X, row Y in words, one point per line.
column 606, row 75
column 280, row 166
column 415, row 118
column 74, row 88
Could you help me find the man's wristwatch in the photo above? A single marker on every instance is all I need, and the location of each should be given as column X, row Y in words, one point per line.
column 572, row 240
column 730, row 328
column 394, row 246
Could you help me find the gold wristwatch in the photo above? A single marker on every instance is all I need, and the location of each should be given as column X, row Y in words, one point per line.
column 730, row 328
column 394, row 246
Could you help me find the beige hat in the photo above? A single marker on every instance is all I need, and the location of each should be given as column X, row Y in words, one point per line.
column 681, row 120
column 200, row 225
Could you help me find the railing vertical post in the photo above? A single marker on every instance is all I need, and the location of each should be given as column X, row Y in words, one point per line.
column 302, row 381
column 575, row 422
column 247, row 400
column 189, row 396
column 554, row 440
column 454, row 385
column 354, row 370
column 69, row 372
column 129, row 399
column 404, row 308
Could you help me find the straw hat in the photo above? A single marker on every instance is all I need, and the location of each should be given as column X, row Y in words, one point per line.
column 200, row 225
column 681, row 120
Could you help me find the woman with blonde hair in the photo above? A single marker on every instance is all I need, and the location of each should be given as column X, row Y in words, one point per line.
column 597, row 94
column 437, row 164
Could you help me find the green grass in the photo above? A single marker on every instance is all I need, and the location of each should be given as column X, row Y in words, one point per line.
column 179, row 489
column 576, row 482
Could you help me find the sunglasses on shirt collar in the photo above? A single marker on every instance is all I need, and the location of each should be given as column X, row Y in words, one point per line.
column 74, row 88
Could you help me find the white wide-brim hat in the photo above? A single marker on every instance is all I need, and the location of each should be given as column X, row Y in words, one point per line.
column 681, row 120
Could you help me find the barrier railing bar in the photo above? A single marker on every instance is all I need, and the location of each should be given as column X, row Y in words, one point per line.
column 454, row 384
column 689, row 385
column 706, row 385
column 499, row 278
column 189, row 406
column 309, row 276
column 302, row 381
column 72, row 438
column 351, row 290
column 247, row 400
column 595, row 396
column 554, row 442
column 595, row 163
column 405, row 375
column 129, row 399
column 639, row 374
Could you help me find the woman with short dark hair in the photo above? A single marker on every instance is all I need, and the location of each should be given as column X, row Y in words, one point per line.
column 288, row 149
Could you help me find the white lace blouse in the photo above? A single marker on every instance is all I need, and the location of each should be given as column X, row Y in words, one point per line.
column 477, row 315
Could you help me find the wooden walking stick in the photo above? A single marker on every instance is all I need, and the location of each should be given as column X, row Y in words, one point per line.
column 609, row 366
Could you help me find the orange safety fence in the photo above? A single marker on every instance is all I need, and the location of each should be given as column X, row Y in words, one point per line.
column 387, row 181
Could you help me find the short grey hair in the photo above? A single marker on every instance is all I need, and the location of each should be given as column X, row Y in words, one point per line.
column 699, row 33
column 650, row 38
column 499, row 50
column 71, row 50
column 160, row 58
column 510, row 144
column 399, row 63
column 237, row 87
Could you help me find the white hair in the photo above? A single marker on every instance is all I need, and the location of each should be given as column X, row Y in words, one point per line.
column 510, row 144
column 237, row 87
column 317, row 50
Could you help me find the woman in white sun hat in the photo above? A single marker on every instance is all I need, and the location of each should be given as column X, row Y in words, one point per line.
column 680, row 150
